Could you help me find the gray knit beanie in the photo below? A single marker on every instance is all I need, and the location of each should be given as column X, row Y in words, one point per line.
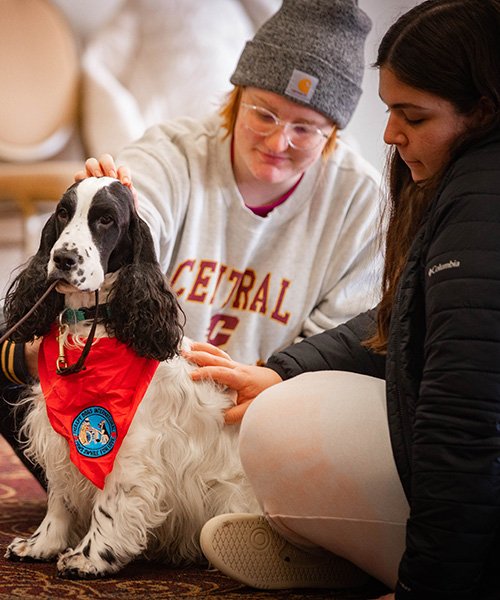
column 311, row 51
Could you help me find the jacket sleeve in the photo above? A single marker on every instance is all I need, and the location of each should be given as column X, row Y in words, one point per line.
column 455, row 485
column 337, row 349
column 162, row 180
column 13, row 369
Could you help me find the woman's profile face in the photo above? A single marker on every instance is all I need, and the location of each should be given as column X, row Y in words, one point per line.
column 421, row 125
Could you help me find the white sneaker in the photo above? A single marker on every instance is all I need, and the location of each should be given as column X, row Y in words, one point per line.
column 246, row 548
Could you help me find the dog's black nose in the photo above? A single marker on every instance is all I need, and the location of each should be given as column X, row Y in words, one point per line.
column 65, row 260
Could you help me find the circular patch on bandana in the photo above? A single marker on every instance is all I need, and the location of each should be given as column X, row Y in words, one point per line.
column 94, row 432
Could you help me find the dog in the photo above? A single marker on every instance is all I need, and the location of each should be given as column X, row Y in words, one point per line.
column 177, row 465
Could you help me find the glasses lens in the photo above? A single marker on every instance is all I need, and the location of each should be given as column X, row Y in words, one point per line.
column 301, row 136
column 304, row 137
column 260, row 120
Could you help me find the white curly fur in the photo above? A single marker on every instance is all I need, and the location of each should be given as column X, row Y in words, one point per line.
column 177, row 467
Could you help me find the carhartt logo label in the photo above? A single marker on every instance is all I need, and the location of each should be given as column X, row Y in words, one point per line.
column 451, row 264
column 304, row 86
column 301, row 85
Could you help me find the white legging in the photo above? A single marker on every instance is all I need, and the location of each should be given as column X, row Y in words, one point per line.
column 316, row 449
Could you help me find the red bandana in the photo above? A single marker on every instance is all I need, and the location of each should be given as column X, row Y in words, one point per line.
column 93, row 409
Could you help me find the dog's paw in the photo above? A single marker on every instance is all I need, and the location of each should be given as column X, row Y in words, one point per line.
column 24, row 550
column 73, row 564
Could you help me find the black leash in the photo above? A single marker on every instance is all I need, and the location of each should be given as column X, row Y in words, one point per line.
column 80, row 363
column 9, row 332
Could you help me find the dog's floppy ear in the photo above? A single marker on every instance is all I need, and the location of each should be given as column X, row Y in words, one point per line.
column 143, row 312
column 28, row 287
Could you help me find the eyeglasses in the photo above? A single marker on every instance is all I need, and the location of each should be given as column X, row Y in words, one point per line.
column 300, row 136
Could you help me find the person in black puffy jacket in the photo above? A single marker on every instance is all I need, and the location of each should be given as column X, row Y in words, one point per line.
column 383, row 444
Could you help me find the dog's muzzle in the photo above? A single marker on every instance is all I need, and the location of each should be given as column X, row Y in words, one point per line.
column 66, row 260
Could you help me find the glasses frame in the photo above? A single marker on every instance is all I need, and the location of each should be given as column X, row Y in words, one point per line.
column 285, row 125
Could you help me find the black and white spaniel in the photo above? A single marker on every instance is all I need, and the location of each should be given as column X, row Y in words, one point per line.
column 177, row 465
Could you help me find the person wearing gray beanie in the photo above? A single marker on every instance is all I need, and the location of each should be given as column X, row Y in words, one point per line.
column 264, row 218
column 311, row 51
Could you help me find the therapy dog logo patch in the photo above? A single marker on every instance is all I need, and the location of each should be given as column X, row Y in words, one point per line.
column 94, row 432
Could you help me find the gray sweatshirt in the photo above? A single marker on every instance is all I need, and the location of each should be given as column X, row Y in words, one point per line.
column 252, row 284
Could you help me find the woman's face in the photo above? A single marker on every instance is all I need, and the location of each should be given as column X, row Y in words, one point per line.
column 421, row 125
column 270, row 159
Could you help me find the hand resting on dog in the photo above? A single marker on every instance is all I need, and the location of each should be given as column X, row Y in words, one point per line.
column 247, row 380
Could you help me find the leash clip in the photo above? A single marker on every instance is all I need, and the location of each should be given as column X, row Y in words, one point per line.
column 61, row 362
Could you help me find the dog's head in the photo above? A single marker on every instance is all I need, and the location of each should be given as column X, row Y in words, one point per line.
column 94, row 231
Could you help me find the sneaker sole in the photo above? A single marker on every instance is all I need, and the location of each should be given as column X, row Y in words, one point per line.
column 247, row 549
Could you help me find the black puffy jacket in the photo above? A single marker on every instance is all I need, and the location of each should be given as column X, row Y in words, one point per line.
column 442, row 374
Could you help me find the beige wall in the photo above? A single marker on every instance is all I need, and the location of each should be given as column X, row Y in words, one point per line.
column 367, row 125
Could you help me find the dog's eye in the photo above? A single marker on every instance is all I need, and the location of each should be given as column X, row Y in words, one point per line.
column 62, row 214
column 106, row 220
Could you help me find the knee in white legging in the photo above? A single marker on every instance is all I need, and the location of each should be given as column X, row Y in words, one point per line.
column 317, row 452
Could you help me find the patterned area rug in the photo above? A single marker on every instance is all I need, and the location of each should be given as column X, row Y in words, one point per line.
column 22, row 507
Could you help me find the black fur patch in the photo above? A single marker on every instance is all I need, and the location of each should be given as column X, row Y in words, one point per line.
column 108, row 556
column 105, row 513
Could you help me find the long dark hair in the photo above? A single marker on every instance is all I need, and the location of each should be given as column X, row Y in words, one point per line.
column 449, row 48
